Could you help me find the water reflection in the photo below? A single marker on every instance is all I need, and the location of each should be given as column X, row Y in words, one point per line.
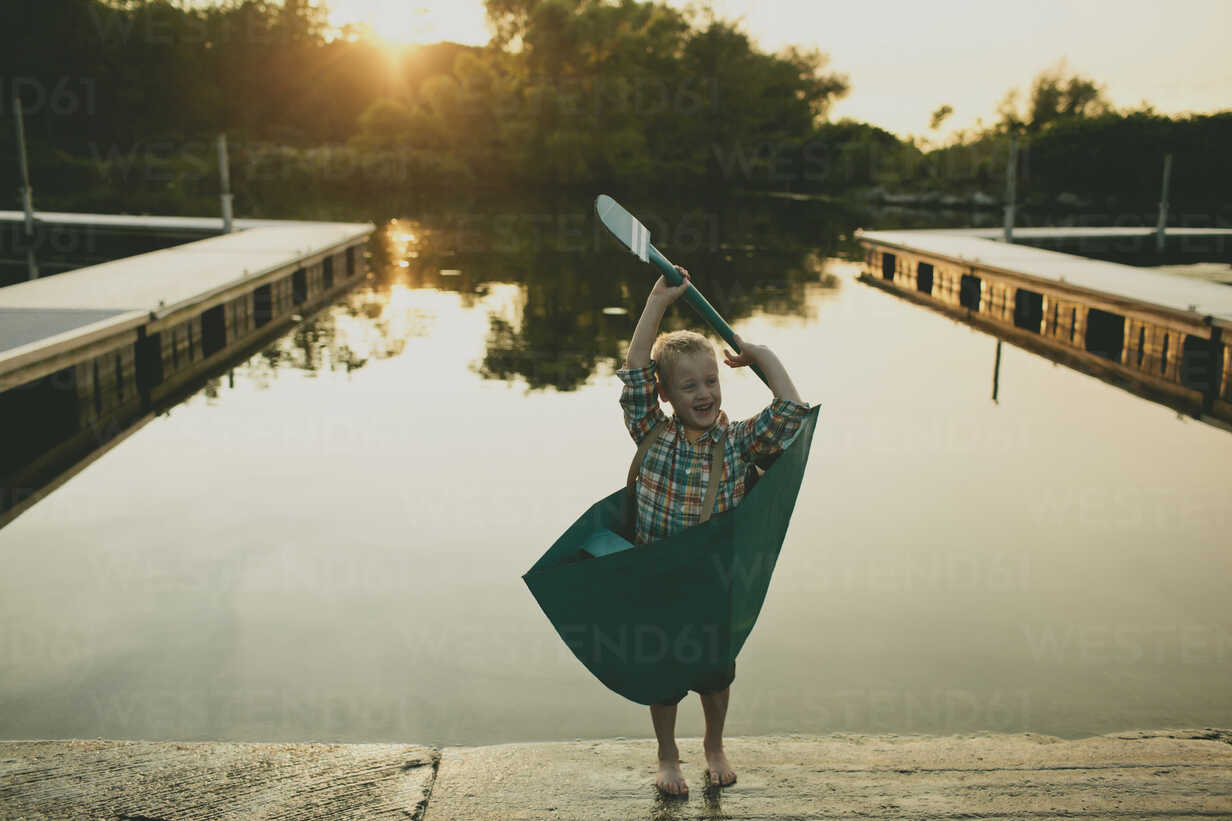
column 366, row 325
column 57, row 436
column 326, row 541
column 579, row 294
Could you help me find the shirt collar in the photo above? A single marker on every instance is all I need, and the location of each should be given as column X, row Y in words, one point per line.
column 711, row 433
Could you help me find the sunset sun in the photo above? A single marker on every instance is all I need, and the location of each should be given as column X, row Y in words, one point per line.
column 403, row 22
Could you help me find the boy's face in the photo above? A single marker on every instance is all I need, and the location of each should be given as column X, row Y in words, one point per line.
column 692, row 388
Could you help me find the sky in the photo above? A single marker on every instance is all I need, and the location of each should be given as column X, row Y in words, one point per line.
column 905, row 59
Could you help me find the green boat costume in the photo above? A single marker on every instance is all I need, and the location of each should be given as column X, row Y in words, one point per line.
column 654, row 620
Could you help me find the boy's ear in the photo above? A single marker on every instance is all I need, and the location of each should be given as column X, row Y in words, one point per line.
column 659, row 388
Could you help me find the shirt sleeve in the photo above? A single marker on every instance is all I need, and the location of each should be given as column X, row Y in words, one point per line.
column 639, row 400
column 770, row 431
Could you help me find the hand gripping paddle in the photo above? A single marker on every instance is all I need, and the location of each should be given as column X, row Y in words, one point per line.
column 634, row 236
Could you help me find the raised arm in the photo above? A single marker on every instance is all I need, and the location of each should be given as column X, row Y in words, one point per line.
column 647, row 328
column 775, row 373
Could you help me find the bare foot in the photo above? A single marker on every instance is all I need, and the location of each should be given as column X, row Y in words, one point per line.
column 670, row 779
column 720, row 772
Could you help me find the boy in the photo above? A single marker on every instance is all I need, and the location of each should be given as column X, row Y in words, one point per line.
column 676, row 470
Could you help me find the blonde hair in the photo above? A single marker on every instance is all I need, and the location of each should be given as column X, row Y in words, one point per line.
column 670, row 348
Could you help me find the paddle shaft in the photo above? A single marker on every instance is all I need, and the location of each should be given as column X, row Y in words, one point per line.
column 704, row 309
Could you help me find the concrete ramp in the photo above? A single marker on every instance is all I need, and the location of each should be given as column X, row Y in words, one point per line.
column 170, row 781
column 1158, row 774
column 1182, row 774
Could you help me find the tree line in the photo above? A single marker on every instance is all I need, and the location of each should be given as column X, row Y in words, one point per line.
column 616, row 93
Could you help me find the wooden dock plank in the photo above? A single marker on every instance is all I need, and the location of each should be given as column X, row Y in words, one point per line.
column 171, row 276
column 1079, row 232
column 22, row 326
column 1113, row 279
column 138, row 222
column 46, row 322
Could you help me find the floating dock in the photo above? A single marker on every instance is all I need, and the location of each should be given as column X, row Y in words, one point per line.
column 1160, row 335
column 86, row 352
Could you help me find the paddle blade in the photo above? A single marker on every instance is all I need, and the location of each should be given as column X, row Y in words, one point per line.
column 624, row 226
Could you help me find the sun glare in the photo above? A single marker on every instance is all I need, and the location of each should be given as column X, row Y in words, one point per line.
column 399, row 22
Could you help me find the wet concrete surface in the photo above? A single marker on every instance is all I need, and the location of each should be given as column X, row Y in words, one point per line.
column 1163, row 774
column 1172, row 774
column 153, row 781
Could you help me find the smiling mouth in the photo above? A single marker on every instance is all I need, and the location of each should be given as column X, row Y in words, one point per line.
column 705, row 408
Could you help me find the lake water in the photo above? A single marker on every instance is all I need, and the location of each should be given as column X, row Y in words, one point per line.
column 327, row 543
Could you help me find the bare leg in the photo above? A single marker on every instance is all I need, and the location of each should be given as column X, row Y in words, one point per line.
column 670, row 779
column 714, row 706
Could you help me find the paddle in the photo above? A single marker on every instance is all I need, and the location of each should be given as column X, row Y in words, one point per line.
column 634, row 236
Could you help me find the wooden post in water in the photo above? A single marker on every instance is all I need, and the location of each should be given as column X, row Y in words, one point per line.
column 996, row 372
column 1163, row 206
column 224, row 174
column 27, row 196
column 1011, row 175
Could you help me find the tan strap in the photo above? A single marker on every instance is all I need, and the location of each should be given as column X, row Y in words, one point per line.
column 716, row 472
column 642, row 447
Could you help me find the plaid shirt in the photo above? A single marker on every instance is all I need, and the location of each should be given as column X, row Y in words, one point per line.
column 672, row 483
